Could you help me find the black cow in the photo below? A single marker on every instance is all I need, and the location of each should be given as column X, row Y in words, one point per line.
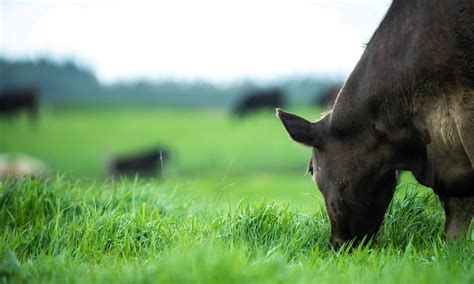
column 146, row 164
column 407, row 105
column 260, row 100
column 328, row 96
column 15, row 100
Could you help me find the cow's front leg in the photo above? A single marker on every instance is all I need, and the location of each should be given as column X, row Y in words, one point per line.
column 459, row 214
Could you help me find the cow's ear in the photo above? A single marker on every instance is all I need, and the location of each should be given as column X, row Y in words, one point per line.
column 299, row 129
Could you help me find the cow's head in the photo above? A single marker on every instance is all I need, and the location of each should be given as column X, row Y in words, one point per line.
column 351, row 171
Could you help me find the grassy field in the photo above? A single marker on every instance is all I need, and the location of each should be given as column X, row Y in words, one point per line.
column 212, row 153
column 234, row 207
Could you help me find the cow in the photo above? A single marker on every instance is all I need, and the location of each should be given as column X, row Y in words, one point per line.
column 407, row 105
column 328, row 96
column 20, row 165
column 145, row 164
column 267, row 99
column 15, row 100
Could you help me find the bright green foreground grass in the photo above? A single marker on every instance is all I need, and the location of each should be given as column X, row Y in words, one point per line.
column 235, row 206
column 146, row 233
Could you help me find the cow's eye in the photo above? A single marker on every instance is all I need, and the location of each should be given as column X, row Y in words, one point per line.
column 310, row 167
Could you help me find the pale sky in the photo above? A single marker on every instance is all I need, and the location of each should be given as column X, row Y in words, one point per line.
column 215, row 40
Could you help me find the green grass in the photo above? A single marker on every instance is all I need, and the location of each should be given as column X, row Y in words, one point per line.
column 76, row 140
column 235, row 206
column 147, row 233
column 212, row 152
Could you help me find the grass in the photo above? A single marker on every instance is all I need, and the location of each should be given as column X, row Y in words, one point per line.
column 234, row 206
column 211, row 152
column 201, row 142
column 146, row 233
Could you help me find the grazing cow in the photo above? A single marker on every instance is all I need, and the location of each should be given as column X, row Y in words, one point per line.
column 260, row 100
column 328, row 97
column 407, row 105
column 145, row 164
column 15, row 100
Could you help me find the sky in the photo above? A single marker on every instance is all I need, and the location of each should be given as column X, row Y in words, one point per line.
column 216, row 40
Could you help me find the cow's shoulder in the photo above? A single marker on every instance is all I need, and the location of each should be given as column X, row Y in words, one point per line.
column 448, row 120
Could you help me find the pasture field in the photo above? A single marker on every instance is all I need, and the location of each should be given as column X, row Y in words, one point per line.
column 234, row 206
column 212, row 153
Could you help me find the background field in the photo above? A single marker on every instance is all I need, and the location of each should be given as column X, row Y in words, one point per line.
column 212, row 153
column 234, row 205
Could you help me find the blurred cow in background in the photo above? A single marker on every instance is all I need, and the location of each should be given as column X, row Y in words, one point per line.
column 17, row 166
column 268, row 99
column 328, row 96
column 13, row 101
column 145, row 164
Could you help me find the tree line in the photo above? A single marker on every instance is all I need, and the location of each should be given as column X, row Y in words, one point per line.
column 70, row 84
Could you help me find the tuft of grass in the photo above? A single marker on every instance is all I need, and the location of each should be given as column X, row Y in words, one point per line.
column 274, row 228
column 414, row 217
